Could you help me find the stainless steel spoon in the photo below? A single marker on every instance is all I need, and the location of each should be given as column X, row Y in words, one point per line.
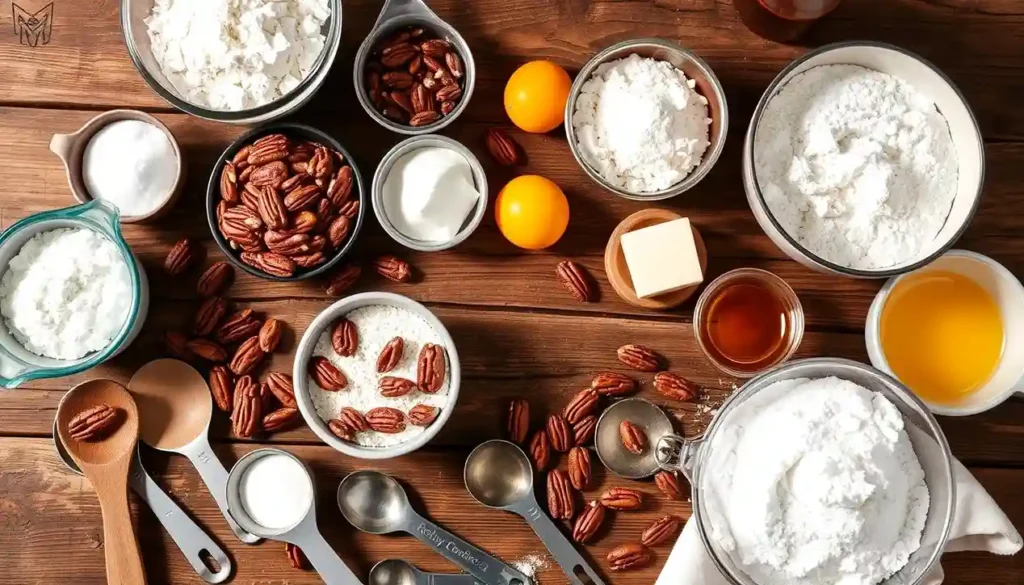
column 399, row 572
column 375, row 503
column 190, row 538
column 499, row 475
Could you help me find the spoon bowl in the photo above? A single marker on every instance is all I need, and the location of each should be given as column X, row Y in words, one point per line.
column 373, row 502
column 396, row 572
column 498, row 474
column 116, row 446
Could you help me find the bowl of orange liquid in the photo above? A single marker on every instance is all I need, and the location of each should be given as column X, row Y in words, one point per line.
column 953, row 332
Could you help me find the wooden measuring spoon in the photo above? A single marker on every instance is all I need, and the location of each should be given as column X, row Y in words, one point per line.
column 175, row 408
column 105, row 462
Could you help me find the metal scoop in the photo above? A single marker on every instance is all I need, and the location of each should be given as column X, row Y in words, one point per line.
column 499, row 475
column 189, row 537
column 376, row 503
column 399, row 572
column 175, row 408
column 303, row 534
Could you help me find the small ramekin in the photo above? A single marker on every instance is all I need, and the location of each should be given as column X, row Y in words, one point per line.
column 1008, row 379
column 406, row 146
column 707, row 85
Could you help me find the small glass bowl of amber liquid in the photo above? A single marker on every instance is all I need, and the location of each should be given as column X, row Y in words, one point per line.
column 747, row 321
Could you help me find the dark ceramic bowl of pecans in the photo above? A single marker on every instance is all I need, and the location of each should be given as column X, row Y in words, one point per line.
column 285, row 202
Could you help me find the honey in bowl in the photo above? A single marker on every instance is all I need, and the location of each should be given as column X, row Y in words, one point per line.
column 941, row 334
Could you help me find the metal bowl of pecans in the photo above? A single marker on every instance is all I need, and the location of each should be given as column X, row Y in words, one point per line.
column 414, row 73
column 285, row 202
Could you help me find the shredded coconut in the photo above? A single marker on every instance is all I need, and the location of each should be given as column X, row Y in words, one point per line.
column 815, row 482
column 640, row 123
column 856, row 165
column 66, row 293
column 530, row 565
column 377, row 325
column 236, row 54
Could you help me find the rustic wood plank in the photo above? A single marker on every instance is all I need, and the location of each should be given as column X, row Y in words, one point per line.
column 47, row 509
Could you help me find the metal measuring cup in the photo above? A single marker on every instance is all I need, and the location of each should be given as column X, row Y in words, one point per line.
column 304, row 534
column 399, row 572
column 499, row 475
column 190, row 538
column 401, row 13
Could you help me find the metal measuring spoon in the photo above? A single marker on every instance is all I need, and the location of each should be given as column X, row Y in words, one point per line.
column 499, row 475
column 304, row 534
column 175, row 408
column 375, row 503
column 399, row 572
column 189, row 537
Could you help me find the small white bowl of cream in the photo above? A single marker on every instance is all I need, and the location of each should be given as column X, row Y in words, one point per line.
column 429, row 193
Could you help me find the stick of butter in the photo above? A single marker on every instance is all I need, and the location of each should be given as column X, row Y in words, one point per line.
column 662, row 258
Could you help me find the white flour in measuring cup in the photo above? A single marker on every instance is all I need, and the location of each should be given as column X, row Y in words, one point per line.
column 815, row 482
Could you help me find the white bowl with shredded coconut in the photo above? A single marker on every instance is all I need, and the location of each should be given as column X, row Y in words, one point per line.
column 378, row 317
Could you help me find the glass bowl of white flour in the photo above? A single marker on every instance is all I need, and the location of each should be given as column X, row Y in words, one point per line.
column 72, row 293
column 863, row 160
column 822, row 471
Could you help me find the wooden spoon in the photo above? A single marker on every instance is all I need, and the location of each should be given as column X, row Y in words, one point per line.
column 105, row 462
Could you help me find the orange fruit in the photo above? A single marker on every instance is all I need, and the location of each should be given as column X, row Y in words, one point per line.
column 532, row 212
column 535, row 96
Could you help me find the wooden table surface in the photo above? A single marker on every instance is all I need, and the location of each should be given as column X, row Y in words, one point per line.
column 517, row 332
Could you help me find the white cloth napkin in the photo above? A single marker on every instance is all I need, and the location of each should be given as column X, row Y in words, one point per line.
column 978, row 524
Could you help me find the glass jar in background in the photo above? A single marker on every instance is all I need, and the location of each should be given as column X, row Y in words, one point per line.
column 782, row 20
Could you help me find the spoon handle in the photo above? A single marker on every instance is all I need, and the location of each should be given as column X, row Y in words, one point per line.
column 449, row 579
column 325, row 560
column 215, row 476
column 121, row 549
column 486, row 568
column 571, row 561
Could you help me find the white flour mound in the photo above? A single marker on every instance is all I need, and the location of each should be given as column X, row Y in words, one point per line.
column 856, row 165
column 815, row 482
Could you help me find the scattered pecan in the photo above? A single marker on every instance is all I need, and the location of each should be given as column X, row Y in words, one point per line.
column 344, row 337
column 177, row 345
column 559, row 433
column 579, row 467
column 385, row 419
column 634, row 439
column 353, row 419
column 629, row 556
column 660, row 531
column 422, row 415
column 270, row 335
column 210, row 312
column 561, row 503
column 282, row 388
column 581, row 406
column 340, row 430
column 215, row 279
column 639, row 357
column 431, row 368
column 540, row 450
column 518, row 420
column 613, row 384
column 390, row 355
column 393, row 268
column 95, row 423
column 503, row 148
column 343, row 280
column 575, row 281
column 675, row 386
column 238, row 326
column 247, row 415
column 247, row 357
column 208, row 350
column 588, row 523
column 326, row 375
column 583, row 431
column 282, row 419
column 180, row 258
column 221, row 387
column 623, row 499
column 668, row 483
column 296, row 558
column 392, row 387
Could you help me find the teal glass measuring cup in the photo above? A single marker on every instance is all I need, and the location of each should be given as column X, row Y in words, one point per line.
column 17, row 364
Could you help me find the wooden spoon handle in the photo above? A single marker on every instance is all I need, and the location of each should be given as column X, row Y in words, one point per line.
column 123, row 560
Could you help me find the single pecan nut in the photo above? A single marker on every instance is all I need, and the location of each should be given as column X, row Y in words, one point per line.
column 247, row 414
column 282, row 419
column 447, row 107
column 326, row 375
column 675, row 386
column 272, row 263
column 295, row 181
column 398, row 79
column 215, row 279
column 579, row 468
column 518, row 424
column 250, row 219
column 561, row 503
column 303, row 222
column 640, row 358
column 432, row 63
column 296, row 558
column 449, row 92
column 288, row 244
column 303, row 197
column 229, row 183
column 340, row 187
column 238, row 326
column 341, row 430
column 349, row 209
column 454, row 64
column 613, row 384
column 95, row 422
column 540, row 450
column 503, row 148
column 581, row 406
column 634, row 439
column 390, row 355
column 310, row 260
column 272, row 174
column 221, row 387
column 345, row 337
column 385, row 419
column 244, row 172
column 269, row 151
column 393, row 387
column 353, row 419
column 241, row 158
column 180, row 258
column 425, row 117
column 436, row 48
column 623, row 499
column 393, row 268
column 668, row 483
column 247, row 356
column 559, row 433
column 421, row 98
column 177, row 345
column 400, row 98
column 271, row 209
column 338, row 231
column 343, row 280
column 208, row 350
column 423, row 415
column 660, row 531
column 398, row 54
column 282, row 388
column 629, row 556
column 588, row 523
column 210, row 312
column 270, row 335
column 583, row 431
column 575, row 281
column 321, row 164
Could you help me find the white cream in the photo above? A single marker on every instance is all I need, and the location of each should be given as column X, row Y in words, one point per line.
column 276, row 491
column 131, row 164
column 429, row 193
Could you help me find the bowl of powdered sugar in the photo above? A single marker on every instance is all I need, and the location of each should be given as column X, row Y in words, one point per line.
column 863, row 159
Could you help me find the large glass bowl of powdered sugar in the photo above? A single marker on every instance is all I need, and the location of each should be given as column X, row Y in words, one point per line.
column 820, row 472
